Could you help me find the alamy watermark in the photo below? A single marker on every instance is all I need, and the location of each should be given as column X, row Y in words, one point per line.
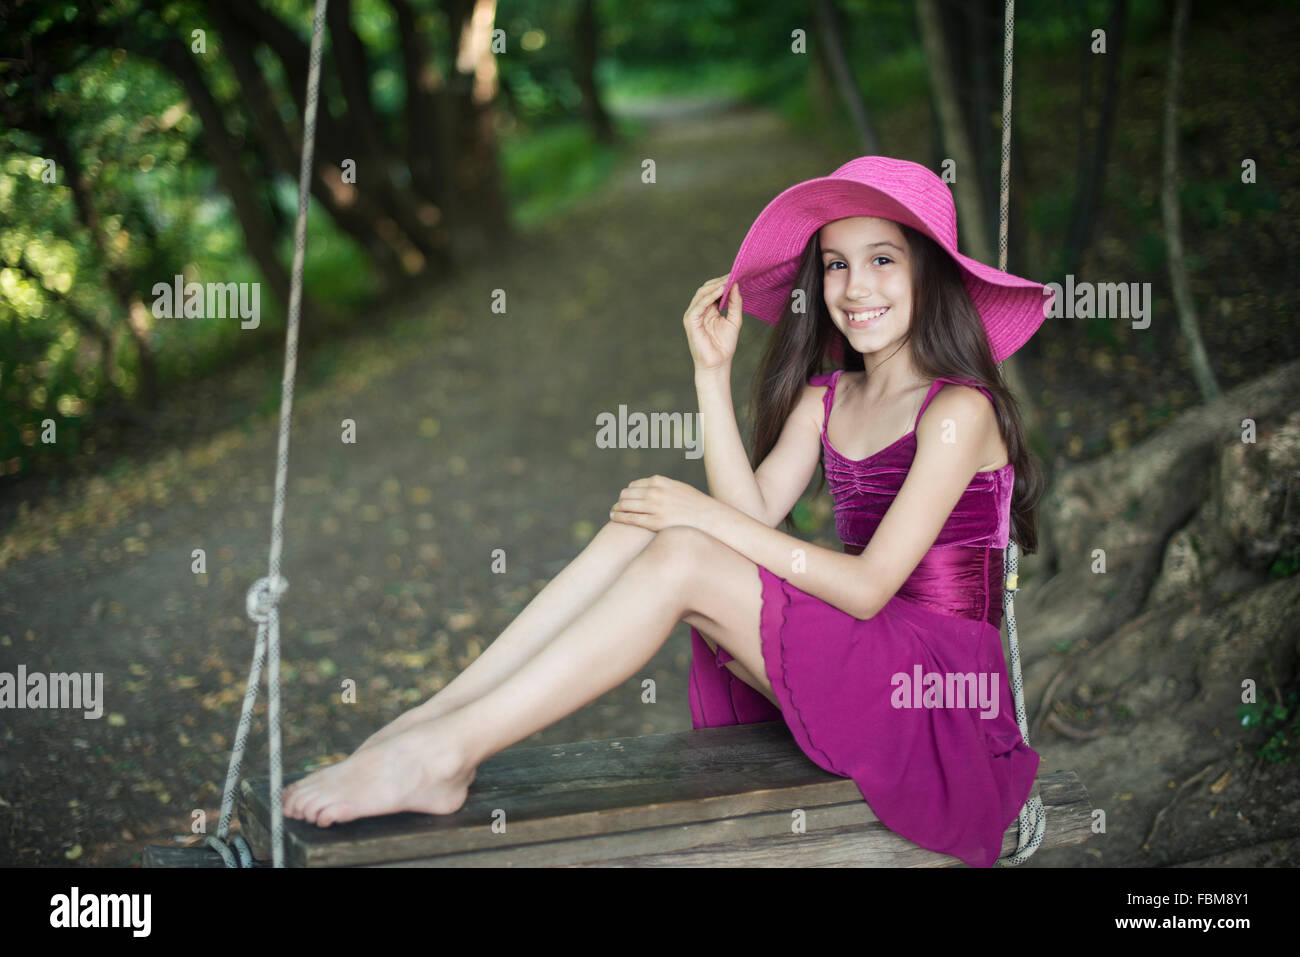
column 1102, row 300
column 214, row 300
column 933, row 689
column 75, row 909
column 77, row 690
column 657, row 430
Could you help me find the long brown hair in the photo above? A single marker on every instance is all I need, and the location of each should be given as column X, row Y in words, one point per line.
column 947, row 339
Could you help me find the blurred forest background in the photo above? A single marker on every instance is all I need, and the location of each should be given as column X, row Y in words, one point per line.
column 145, row 139
column 466, row 146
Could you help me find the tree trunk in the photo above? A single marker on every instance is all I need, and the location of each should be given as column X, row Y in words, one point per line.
column 481, row 220
column 831, row 27
column 423, row 80
column 353, row 72
column 1201, row 369
column 587, row 36
column 1092, row 164
column 966, row 189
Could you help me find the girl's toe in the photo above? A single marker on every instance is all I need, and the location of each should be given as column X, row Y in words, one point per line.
column 313, row 808
column 331, row 814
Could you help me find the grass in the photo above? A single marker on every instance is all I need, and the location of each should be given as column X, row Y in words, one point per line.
column 547, row 170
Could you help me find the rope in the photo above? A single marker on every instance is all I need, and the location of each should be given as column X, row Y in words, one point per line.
column 1033, row 816
column 263, row 599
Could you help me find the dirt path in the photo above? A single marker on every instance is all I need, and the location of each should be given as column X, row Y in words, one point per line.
column 475, row 431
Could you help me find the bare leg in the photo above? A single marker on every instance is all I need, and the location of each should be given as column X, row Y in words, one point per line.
column 429, row 766
column 556, row 605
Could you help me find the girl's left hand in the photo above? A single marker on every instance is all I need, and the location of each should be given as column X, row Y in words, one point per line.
column 657, row 503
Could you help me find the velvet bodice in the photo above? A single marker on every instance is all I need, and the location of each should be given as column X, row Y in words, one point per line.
column 961, row 574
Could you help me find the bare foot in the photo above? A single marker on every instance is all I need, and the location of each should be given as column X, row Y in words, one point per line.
column 412, row 770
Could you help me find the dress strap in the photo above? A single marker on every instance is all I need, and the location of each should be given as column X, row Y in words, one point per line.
column 937, row 384
column 830, row 379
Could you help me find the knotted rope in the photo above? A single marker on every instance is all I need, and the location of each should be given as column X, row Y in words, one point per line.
column 263, row 599
column 1033, row 816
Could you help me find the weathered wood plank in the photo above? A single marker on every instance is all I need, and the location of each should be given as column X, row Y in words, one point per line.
column 712, row 797
column 557, row 792
column 632, row 844
column 846, row 835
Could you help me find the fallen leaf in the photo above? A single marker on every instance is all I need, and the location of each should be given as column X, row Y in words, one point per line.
column 460, row 620
column 1222, row 783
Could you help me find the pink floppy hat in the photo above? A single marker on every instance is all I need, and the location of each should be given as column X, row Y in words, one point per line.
column 1012, row 308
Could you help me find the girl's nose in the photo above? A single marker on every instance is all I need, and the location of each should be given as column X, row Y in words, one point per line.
column 858, row 289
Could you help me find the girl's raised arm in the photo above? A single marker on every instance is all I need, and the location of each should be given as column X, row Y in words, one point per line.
column 770, row 493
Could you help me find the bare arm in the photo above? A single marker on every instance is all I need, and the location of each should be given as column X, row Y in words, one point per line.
column 949, row 440
column 767, row 494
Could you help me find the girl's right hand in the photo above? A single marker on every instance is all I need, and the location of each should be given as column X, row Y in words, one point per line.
column 711, row 335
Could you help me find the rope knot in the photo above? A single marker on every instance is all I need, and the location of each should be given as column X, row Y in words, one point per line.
column 262, row 598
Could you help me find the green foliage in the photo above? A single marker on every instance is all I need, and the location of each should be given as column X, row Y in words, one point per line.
column 550, row 169
column 1100, row 333
column 160, row 212
column 1282, row 718
column 804, row 518
column 1285, row 565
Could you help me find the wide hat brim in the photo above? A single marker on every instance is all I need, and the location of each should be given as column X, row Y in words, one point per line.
column 1011, row 307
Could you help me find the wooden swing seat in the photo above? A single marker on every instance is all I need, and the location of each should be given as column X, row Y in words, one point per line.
column 714, row 797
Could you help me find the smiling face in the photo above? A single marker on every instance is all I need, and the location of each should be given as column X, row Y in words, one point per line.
column 867, row 281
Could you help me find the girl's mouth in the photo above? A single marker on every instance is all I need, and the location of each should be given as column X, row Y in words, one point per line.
column 865, row 318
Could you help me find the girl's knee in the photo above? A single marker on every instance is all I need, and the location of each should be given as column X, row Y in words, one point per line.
column 683, row 538
column 682, row 550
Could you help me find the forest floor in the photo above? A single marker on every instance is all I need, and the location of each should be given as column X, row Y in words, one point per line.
column 475, row 431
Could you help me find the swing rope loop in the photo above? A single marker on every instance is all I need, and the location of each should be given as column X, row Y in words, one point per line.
column 1033, row 816
column 263, row 599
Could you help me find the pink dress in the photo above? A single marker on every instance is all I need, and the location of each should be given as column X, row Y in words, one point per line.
column 948, row 774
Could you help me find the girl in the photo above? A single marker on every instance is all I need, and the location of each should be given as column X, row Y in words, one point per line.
column 885, row 660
